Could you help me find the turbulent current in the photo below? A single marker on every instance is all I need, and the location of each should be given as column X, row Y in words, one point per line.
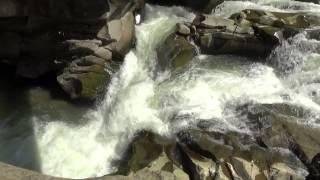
column 140, row 97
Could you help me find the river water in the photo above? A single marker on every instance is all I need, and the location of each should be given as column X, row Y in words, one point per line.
column 142, row 98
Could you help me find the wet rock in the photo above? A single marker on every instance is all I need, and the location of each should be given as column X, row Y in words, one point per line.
column 86, row 77
column 175, row 52
column 41, row 37
column 151, row 153
column 183, row 29
column 215, row 35
column 314, row 33
column 287, row 130
column 205, row 6
column 311, row 1
column 240, row 156
column 122, row 31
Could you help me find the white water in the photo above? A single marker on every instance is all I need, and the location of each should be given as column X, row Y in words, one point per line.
column 139, row 98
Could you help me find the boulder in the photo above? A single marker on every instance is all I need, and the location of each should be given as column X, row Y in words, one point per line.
column 205, row 6
column 310, row 1
column 152, row 153
column 183, row 30
column 175, row 52
column 41, row 37
column 215, row 35
column 239, row 158
column 283, row 127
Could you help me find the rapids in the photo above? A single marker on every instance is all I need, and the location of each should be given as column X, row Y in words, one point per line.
column 142, row 98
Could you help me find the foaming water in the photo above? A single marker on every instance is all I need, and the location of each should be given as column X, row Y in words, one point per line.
column 227, row 8
column 89, row 150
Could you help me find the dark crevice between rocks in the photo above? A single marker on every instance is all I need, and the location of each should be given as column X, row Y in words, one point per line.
column 313, row 166
column 187, row 165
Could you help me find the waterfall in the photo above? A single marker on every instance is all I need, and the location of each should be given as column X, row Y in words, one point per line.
column 141, row 98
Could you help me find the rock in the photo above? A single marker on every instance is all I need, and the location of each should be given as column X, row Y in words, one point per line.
column 175, row 52
column 205, row 6
column 228, row 43
column 122, row 31
column 149, row 153
column 41, row 37
column 86, row 77
column 311, row 1
column 183, row 29
column 215, row 35
column 8, row 172
column 277, row 19
column 314, row 33
column 282, row 127
column 240, row 156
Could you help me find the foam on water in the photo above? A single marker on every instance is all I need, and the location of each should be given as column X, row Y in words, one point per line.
column 89, row 150
column 227, row 8
column 204, row 90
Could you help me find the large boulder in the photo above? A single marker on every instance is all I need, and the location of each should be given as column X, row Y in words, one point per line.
column 215, row 35
column 205, row 6
column 78, row 40
column 284, row 126
column 177, row 50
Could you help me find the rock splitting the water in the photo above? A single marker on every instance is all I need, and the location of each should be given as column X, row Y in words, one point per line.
column 176, row 50
column 83, row 38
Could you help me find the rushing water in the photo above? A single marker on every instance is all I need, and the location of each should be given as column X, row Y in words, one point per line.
column 141, row 98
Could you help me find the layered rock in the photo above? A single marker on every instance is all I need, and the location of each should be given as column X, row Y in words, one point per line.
column 205, row 6
column 83, row 38
column 247, row 33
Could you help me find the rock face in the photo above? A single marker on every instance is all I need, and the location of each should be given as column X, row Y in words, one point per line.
column 247, row 33
column 280, row 147
column 176, row 50
column 86, row 39
column 205, row 6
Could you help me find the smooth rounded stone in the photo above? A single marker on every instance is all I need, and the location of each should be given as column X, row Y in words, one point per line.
column 183, row 29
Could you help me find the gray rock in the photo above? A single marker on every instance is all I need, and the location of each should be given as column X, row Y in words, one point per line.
column 183, row 29
column 175, row 52
column 205, row 6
